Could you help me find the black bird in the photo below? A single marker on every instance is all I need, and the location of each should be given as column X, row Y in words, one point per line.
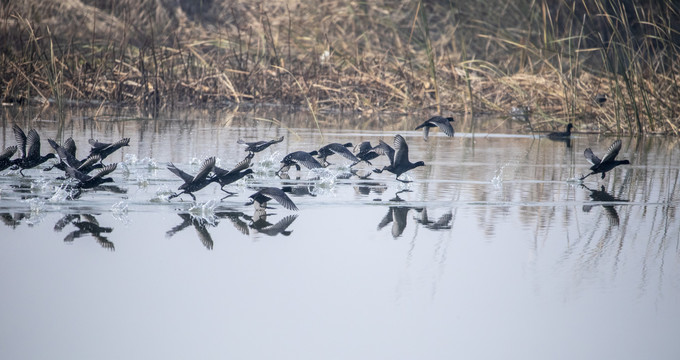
column 31, row 158
column 336, row 148
column 298, row 158
column 86, row 181
column 67, row 158
column 444, row 124
column 193, row 183
column 560, row 135
column 6, row 155
column 399, row 162
column 226, row 177
column 257, row 146
column 600, row 99
column 608, row 161
column 260, row 198
column 106, row 149
column 365, row 153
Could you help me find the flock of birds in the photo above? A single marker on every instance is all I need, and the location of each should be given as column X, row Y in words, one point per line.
column 29, row 156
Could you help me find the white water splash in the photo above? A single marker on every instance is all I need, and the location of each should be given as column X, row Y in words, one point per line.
column 163, row 194
column 120, row 211
column 204, row 211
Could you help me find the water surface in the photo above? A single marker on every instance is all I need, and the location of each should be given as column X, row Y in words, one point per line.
column 493, row 251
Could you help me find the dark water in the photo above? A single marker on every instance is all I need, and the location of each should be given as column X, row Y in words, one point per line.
column 493, row 251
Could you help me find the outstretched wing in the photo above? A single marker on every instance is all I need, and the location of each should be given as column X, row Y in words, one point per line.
column 280, row 196
column 443, row 124
column 592, row 158
column 8, row 152
column 33, row 144
column 186, row 177
column 70, row 146
column 20, row 138
column 612, row 152
column 383, row 149
column 304, row 159
column 206, row 168
column 400, row 150
column 105, row 170
column 343, row 151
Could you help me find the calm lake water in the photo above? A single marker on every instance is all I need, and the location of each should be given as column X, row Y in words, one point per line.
column 493, row 251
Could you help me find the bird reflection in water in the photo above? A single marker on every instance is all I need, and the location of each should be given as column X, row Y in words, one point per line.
column 86, row 224
column 199, row 223
column 398, row 216
column 603, row 196
column 12, row 220
column 261, row 225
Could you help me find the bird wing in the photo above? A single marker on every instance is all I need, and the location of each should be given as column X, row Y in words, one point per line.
column 280, row 196
column 203, row 234
column 280, row 226
column 105, row 170
column 63, row 154
column 70, row 146
column 364, row 147
column 8, row 152
column 444, row 125
column 33, row 144
column 400, row 150
column 242, row 165
column 186, row 177
column 383, row 149
column 592, row 158
column 90, row 161
column 343, row 151
column 97, row 146
column 206, row 168
column 72, row 172
column 386, row 219
column 20, row 138
column 305, row 159
column 612, row 152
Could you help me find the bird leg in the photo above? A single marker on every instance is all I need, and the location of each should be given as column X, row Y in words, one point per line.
column 583, row 177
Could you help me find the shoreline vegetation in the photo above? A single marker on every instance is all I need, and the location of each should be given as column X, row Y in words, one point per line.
column 557, row 58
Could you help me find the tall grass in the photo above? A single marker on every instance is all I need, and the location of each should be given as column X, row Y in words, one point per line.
column 386, row 55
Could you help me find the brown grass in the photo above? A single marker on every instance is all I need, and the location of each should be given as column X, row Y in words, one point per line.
column 380, row 56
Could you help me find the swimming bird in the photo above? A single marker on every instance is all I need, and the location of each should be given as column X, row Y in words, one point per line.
column 608, row 161
column 257, row 146
column 67, row 158
column 6, row 155
column 336, row 148
column 31, row 158
column 225, row 177
column 444, row 124
column 86, row 181
column 106, row 149
column 193, row 183
column 600, row 99
column 298, row 158
column 560, row 135
column 365, row 153
column 260, row 198
column 399, row 162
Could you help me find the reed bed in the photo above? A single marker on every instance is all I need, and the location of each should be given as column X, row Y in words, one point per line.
column 553, row 56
